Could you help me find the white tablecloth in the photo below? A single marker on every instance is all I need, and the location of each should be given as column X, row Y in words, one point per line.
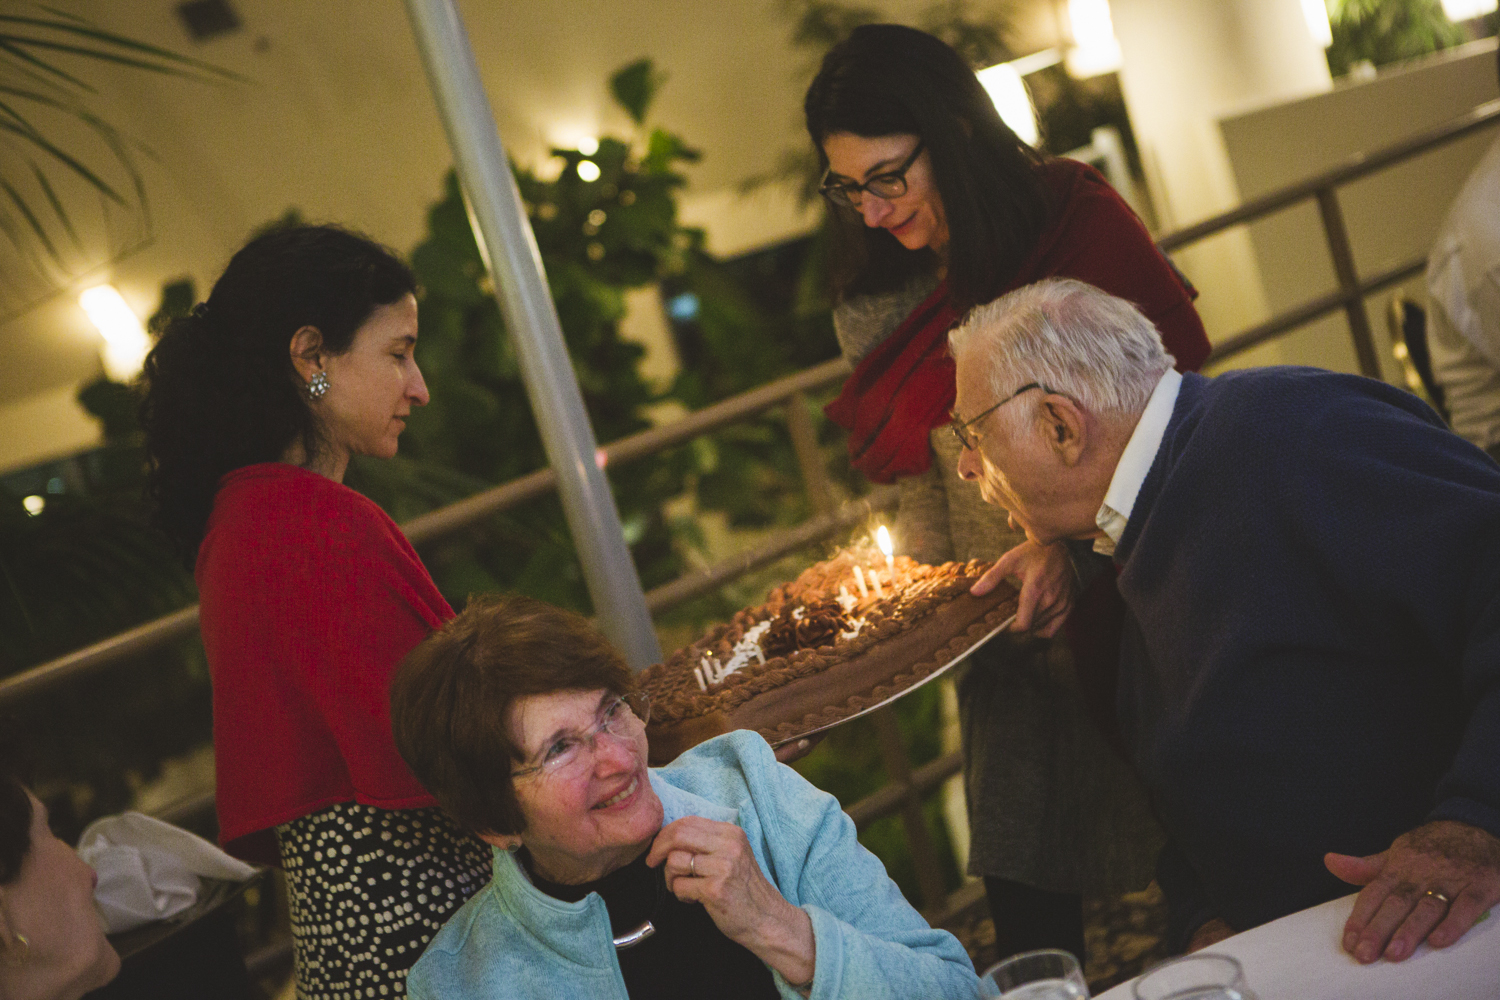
column 1299, row 957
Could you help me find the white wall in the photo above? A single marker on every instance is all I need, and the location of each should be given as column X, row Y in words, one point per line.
column 1392, row 216
column 1188, row 63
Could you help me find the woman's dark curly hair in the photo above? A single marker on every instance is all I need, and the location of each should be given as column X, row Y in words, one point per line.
column 221, row 392
column 15, row 808
column 888, row 79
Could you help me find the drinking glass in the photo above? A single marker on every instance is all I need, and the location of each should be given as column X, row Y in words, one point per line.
column 1049, row 974
column 1195, row 977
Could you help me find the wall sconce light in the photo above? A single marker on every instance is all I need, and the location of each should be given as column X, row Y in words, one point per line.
column 1006, row 88
column 1095, row 49
column 1466, row 10
column 125, row 342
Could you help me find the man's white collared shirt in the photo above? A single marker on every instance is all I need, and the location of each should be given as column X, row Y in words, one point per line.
column 1135, row 461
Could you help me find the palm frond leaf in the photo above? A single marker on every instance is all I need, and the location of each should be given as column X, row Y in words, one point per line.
column 7, row 45
column 36, row 139
column 32, row 221
column 57, row 206
column 168, row 61
column 56, row 153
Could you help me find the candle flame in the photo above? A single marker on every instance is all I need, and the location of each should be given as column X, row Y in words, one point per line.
column 883, row 539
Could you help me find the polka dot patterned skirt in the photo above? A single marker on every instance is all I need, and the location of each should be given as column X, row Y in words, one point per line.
column 369, row 888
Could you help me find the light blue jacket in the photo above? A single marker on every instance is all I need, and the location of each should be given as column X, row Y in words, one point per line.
column 513, row 940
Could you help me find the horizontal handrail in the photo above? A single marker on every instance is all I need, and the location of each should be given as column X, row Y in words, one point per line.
column 465, row 513
column 816, row 529
column 886, row 800
column 141, row 639
column 1353, row 168
column 1313, row 309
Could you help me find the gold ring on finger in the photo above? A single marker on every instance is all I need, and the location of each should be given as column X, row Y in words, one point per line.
column 1439, row 897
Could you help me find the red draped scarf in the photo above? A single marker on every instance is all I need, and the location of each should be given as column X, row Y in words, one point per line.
column 899, row 392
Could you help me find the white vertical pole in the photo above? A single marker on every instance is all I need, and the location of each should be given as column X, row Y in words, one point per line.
column 515, row 265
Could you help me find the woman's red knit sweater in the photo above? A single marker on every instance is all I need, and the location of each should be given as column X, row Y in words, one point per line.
column 310, row 596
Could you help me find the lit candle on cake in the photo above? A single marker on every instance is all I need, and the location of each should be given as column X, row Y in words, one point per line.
column 883, row 539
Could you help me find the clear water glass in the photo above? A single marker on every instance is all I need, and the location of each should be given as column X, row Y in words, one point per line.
column 1195, row 977
column 1049, row 974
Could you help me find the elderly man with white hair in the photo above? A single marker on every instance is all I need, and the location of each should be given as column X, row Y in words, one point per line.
column 1311, row 567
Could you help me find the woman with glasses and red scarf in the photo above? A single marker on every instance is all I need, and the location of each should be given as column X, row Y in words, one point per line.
column 938, row 206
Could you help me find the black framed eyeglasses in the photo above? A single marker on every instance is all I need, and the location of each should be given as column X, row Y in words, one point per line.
column 889, row 185
column 960, row 428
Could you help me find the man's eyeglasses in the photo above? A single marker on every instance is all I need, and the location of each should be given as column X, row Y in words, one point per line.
column 623, row 718
column 889, row 185
column 960, row 428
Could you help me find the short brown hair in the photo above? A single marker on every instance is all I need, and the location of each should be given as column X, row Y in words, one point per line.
column 451, row 695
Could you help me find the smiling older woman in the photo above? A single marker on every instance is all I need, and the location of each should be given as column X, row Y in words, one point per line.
column 724, row 874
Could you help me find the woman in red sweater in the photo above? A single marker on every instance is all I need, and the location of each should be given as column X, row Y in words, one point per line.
column 937, row 206
column 302, row 357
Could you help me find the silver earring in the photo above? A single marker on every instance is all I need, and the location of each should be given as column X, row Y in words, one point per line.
column 317, row 385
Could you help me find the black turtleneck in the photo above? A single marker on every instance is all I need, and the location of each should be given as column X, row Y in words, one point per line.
column 688, row 956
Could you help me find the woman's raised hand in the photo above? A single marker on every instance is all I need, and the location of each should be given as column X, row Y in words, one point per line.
column 711, row 863
column 1049, row 585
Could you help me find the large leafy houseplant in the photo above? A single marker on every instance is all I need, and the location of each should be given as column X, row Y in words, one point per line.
column 1387, row 31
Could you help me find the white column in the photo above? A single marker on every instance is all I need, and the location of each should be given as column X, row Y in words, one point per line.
column 510, row 254
column 1186, row 64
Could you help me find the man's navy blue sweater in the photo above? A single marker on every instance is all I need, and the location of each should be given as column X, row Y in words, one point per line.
column 1312, row 660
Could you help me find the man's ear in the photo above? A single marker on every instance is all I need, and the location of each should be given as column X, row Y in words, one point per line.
column 1064, row 427
column 504, row 841
column 307, row 352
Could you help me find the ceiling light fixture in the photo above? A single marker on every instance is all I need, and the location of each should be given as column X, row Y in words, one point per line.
column 1317, row 22
column 125, row 340
column 1095, row 50
column 1467, row 10
column 1012, row 100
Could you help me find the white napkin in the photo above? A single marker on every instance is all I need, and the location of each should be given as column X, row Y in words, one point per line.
column 150, row 870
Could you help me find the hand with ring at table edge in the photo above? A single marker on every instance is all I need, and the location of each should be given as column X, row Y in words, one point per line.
column 1049, row 585
column 1405, row 887
column 709, row 862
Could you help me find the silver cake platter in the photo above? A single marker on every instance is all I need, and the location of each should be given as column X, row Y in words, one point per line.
column 940, row 671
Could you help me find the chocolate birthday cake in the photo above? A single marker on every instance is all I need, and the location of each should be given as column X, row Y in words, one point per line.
column 846, row 635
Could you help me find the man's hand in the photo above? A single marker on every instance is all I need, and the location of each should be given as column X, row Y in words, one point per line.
column 1048, row 585
column 1401, row 905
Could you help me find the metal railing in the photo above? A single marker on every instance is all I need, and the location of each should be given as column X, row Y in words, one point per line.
column 908, row 786
column 1323, row 189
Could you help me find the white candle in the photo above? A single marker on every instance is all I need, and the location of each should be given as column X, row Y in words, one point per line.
column 859, row 580
column 698, row 673
column 875, row 578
